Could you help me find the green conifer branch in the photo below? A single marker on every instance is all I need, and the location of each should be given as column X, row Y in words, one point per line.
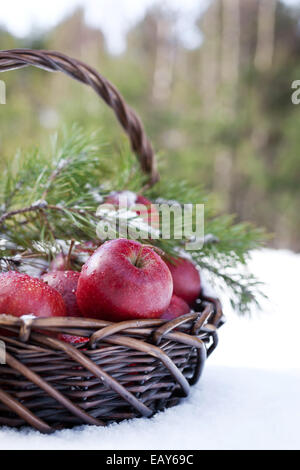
column 48, row 197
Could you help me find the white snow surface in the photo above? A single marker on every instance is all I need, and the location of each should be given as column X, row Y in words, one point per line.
column 247, row 398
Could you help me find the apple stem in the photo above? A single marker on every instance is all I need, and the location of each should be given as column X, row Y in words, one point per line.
column 137, row 261
column 68, row 263
column 159, row 251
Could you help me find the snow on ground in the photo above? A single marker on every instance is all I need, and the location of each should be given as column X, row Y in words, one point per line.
column 248, row 397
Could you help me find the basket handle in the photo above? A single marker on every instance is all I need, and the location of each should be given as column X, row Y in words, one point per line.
column 55, row 61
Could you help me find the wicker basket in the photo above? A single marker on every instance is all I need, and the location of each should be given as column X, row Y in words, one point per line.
column 123, row 370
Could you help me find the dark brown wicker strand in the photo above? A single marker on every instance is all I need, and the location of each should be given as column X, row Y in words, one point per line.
column 119, row 373
column 24, row 413
column 37, row 380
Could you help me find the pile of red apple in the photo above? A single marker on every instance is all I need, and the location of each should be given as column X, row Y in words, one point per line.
column 121, row 280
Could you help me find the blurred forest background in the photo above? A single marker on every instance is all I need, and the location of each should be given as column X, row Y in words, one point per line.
column 219, row 115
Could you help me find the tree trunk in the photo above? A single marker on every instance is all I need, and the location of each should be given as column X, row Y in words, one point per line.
column 265, row 34
column 210, row 54
column 230, row 42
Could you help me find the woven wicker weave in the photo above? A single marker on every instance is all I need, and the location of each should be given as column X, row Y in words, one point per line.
column 123, row 370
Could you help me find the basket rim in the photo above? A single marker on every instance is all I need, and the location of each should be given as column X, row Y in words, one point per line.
column 105, row 328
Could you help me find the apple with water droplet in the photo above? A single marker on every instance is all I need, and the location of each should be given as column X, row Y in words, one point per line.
column 21, row 294
column 65, row 282
column 176, row 308
column 186, row 279
column 124, row 280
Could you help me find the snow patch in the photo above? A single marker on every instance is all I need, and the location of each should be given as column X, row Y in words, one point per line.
column 248, row 397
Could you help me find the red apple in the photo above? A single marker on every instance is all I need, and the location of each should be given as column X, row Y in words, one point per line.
column 78, row 256
column 124, row 280
column 21, row 294
column 176, row 308
column 59, row 263
column 186, row 279
column 65, row 282
column 72, row 339
column 149, row 214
